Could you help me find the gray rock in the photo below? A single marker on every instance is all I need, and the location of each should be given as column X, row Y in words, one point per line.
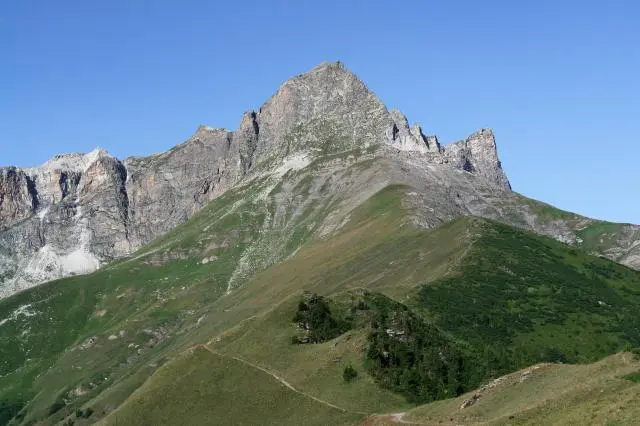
column 77, row 212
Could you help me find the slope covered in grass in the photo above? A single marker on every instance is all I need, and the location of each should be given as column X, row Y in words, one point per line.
column 202, row 388
column 313, row 368
column 520, row 298
column 615, row 241
column 592, row 394
column 233, row 276
column 95, row 338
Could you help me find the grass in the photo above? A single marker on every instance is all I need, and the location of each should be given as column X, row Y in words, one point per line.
column 313, row 368
column 506, row 296
column 546, row 213
column 524, row 299
column 634, row 377
column 203, row 388
column 163, row 289
column 593, row 236
column 547, row 394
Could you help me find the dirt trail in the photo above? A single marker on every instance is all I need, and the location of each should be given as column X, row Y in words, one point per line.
column 388, row 419
column 283, row 381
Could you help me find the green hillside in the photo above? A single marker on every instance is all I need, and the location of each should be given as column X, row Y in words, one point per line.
column 204, row 388
column 526, row 299
column 551, row 394
column 465, row 302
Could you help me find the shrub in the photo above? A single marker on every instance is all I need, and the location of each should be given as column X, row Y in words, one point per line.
column 9, row 410
column 57, row 406
column 349, row 373
column 86, row 413
column 409, row 356
column 315, row 315
column 634, row 377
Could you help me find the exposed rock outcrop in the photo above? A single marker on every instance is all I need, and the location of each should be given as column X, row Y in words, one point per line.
column 78, row 211
column 478, row 155
column 407, row 138
column 17, row 197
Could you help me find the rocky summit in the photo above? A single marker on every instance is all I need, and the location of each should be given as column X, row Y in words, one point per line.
column 78, row 212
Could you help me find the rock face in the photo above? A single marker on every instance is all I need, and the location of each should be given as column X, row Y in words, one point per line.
column 478, row 155
column 78, row 211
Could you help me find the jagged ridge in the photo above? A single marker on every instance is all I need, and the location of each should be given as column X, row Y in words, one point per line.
column 78, row 211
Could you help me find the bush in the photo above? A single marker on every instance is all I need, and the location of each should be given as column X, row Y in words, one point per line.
column 349, row 373
column 9, row 410
column 409, row 356
column 552, row 354
column 315, row 315
column 86, row 413
column 56, row 406
column 634, row 377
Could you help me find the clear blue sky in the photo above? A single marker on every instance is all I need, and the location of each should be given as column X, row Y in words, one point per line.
column 558, row 81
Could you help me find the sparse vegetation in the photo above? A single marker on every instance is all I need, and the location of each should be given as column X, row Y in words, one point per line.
column 58, row 405
column 84, row 413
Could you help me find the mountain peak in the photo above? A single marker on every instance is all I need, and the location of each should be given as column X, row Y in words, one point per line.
column 330, row 105
column 75, row 161
column 327, row 67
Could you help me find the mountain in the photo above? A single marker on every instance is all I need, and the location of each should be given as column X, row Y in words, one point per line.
column 326, row 262
column 80, row 211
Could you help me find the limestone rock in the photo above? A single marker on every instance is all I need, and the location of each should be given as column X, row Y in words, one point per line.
column 77, row 212
column 17, row 197
column 478, row 155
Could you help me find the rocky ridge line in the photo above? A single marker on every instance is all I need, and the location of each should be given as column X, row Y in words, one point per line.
column 78, row 211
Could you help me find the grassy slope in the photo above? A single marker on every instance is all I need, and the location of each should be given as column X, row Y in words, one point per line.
column 150, row 302
column 316, row 368
column 548, row 394
column 167, row 291
column 202, row 388
column 524, row 298
column 147, row 308
column 373, row 253
column 593, row 236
